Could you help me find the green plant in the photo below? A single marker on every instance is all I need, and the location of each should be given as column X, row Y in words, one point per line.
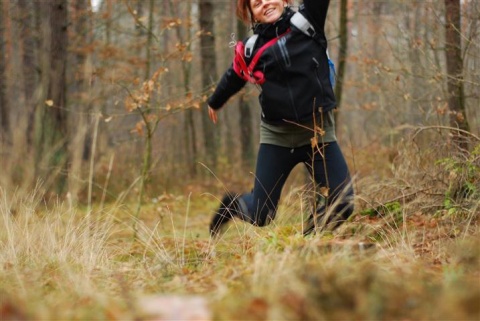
column 393, row 209
column 463, row 179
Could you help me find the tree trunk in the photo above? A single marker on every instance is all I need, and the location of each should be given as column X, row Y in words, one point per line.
column 342, row 52
column 30, row 76
column 4, row 112
column 58, row 63
column 81, row 121
column 455, row 83
column 81, row 65
column 209, row 75
column 190, row 132
column 108, row 22
column 54, row 122
column 149, row 62
column 414, row 24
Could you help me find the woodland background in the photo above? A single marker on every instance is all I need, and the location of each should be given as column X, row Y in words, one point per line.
column 111, row 169
column 85, row 93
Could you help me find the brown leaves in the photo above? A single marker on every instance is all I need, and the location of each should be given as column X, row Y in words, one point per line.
column 324, row 191
column 109, row 52
column 169, row 23
column 443, row 110
column 188, row 56
column 318, row 131
column 141, row 97
column 314, row 141
column 10, row 311
column 296, row 303
column 181, row 46
column 139, row 128
column 369, row 106
column 257, row 309
column 460, row 117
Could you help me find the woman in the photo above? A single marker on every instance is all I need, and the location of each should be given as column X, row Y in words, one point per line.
column 297, row 124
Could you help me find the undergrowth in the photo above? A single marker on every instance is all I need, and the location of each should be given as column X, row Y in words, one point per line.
column 406, row 254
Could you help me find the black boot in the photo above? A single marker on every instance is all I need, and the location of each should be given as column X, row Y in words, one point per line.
column 227, row 210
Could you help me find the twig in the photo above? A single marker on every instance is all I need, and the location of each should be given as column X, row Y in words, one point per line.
column 419, row 130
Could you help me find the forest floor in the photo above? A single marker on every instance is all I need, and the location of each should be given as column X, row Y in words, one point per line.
column 61, row 264
column 411, row 251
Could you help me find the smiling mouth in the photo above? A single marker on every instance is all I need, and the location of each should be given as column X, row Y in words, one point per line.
column 269, row 11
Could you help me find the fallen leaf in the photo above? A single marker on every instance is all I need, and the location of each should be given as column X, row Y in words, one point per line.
column 258, row 309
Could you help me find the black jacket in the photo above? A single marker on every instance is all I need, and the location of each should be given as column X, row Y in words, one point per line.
column 296, row 69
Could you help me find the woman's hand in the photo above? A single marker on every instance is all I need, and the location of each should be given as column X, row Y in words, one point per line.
column 212, row 113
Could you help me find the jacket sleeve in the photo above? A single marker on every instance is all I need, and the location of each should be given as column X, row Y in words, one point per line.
column 316, row 11
column 229, row 85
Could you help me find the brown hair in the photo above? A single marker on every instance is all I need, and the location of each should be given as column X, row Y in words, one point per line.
column 244, row 12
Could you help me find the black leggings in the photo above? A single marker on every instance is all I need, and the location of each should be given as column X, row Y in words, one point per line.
column 274, row 164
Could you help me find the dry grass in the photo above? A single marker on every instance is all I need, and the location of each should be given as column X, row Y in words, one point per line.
column 58, row 263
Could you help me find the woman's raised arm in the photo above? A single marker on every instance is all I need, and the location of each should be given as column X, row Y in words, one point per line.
column 316, row 11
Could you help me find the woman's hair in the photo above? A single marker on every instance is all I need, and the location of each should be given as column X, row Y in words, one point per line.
column 244, row 12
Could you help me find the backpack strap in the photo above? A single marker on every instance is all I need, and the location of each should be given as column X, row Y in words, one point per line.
column 299, row 21
column 240, row 67
column 250, row 46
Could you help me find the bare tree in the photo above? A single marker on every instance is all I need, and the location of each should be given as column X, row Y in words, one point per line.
column 4, row 114
column 343, row 51
column 453, row 52
column 81, row 133
column 29, row 63
column 149, row 55
column 184, row 36
column 108, row 21
column 53, row 143
column 209, row 74
column 58, row 63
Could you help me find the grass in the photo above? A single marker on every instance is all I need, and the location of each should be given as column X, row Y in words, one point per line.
column 58, row 263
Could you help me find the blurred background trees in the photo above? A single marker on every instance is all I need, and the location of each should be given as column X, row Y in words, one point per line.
column 81, row 84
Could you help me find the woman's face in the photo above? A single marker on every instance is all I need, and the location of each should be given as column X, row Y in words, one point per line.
column 267, row 11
